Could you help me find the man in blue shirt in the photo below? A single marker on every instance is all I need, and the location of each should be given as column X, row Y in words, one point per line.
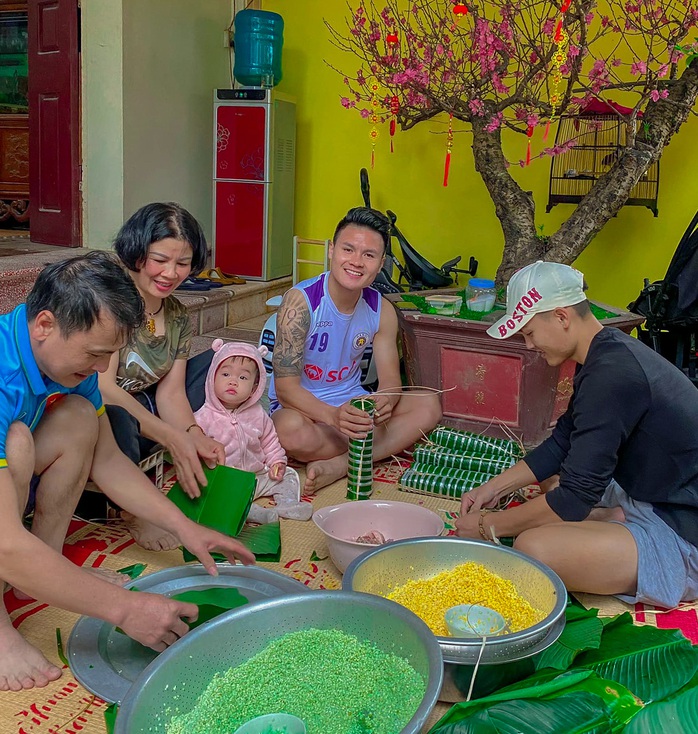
column 54, row 434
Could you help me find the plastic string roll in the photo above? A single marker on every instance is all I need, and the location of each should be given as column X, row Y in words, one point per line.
column 360, row 461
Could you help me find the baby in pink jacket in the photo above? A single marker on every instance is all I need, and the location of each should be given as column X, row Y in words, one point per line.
column 233, row 416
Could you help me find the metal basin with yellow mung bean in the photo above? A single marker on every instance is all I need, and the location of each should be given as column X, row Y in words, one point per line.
column 392, row 565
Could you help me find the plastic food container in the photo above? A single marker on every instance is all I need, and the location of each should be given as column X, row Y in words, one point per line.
column 343, row 524
column 446, row 305
column 480, row 294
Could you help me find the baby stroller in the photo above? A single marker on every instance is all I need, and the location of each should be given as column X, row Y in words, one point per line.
column 670, row 307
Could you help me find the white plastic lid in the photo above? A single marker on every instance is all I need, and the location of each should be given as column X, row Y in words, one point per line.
column 444, row 299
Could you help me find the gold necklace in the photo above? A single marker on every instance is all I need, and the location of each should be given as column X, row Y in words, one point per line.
column 150, row 323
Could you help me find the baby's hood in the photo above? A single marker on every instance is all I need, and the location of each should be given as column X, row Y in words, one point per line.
column 223, row 350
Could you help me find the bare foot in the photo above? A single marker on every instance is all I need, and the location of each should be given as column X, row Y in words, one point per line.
column 319, row 474
column 147, row 535
column 106, row 574
column 607, row 514
column 22, row 666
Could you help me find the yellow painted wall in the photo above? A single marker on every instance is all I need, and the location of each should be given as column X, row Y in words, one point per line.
column 333, row 145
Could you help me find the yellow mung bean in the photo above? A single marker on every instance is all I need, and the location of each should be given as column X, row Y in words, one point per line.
column 468, row 583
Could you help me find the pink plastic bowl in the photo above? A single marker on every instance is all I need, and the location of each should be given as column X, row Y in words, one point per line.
column 394, row 520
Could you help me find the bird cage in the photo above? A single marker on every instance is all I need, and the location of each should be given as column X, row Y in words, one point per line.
column 599, row 134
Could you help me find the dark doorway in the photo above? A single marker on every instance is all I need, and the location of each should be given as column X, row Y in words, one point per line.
column 54, row 122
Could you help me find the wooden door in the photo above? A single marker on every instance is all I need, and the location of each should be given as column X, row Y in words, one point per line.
column 54, row 122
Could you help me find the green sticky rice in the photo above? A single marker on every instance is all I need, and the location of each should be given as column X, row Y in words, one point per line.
column 329, row 679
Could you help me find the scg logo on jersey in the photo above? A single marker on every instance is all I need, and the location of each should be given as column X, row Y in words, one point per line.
column 339, row 375
column 313, row 372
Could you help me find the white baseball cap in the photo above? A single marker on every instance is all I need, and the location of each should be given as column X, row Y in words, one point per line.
column 541, row 286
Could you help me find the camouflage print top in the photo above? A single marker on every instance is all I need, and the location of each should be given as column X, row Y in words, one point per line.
column 149, row 357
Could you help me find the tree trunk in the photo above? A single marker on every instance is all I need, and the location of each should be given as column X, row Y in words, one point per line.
column 514, row 207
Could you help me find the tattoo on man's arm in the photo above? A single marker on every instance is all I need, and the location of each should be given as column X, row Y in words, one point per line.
column 292, row 327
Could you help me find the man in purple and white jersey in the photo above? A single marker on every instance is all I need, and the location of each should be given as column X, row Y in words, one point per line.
column 325, row 324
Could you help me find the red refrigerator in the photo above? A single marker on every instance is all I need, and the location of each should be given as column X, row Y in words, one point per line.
column 253, row 182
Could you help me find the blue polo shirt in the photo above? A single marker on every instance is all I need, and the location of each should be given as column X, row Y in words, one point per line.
column 24, row 391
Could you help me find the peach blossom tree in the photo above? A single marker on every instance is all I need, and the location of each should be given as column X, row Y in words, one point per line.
column 521, row 65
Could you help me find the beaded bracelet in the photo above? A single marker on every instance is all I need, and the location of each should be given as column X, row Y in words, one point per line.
column 193, row 425
column 481, row 526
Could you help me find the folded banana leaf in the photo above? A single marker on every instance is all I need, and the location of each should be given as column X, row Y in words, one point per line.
column 571, row 703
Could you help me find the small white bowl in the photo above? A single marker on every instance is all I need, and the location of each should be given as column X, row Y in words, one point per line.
column 341, row 524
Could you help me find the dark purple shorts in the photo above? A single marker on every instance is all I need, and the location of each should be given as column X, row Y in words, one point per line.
column 31, row 502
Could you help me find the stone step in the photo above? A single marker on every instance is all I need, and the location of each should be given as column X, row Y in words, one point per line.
column 218, row 308
column 245, row 331
column 19, row 270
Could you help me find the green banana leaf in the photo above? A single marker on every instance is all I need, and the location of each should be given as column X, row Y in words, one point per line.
column 693, row 683
column 583, row 631
column 110, row 717
column 605, row 704
column 211, row 602
column 134, row 570
column 571, row 713
column 653, row 663
column 678, row 716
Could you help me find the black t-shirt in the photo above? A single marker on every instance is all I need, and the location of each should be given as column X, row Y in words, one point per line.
column 633, row 417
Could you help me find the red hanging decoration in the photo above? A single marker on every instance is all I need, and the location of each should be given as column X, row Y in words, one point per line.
column 394, row 109
column 449, row 145
column 558, row 32
column 392, row 39
column 529, row 135
column 547, row 130
column 460, row 10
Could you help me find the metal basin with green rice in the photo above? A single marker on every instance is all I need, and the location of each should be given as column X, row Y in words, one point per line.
column 180, row 682
column 381, row 570
column 107, row 662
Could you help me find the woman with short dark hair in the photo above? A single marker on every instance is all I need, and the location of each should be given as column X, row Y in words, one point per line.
column 152, row 387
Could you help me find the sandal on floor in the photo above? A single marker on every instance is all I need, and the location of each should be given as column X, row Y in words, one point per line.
column 197, row 284
column 218, row 276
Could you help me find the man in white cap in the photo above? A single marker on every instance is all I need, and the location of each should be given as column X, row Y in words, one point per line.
column 622, row 516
